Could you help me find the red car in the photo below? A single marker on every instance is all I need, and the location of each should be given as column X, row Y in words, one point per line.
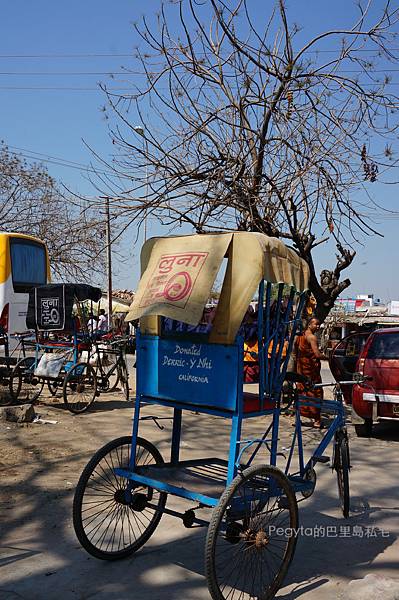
column 375, row 355
column 378, row 399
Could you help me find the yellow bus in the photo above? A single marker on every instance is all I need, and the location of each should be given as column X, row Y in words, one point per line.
column 24, row 262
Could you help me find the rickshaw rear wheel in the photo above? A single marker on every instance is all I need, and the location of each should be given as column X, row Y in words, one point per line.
column 111, row 516
column 80, row 387
column 342, row 465
column 252, row 535
column 24, row 385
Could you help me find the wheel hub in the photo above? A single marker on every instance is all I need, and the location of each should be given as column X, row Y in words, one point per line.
column 120, row 497
column 261, row 540
column 258, row 539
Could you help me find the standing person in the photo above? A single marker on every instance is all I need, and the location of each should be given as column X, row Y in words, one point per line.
column 102, row 325
column 92, row 323
column 308, row 363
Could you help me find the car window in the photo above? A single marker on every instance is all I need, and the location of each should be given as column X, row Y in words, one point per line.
column 355, row 345
column 384, row 346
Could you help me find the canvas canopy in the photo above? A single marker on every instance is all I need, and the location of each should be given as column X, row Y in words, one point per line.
column 178, row 274
column 50, row 306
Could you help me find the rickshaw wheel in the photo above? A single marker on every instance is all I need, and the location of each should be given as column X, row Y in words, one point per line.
column 80, row 387
column 251, row 536
column 110, row 516
column 124, row 380
column 24, row 385
column 311, row 477
column 341, row 465
column 111, row 381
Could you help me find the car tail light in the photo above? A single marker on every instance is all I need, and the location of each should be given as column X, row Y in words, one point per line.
column 360, row 365
column 4, row 317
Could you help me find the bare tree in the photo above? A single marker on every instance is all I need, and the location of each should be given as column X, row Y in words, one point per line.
column 254, row 128
column 32, row 203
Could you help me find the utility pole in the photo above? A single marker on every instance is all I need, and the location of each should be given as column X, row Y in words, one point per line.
column 109, row 260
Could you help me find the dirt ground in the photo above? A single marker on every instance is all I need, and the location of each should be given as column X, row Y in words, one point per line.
column 40, row 557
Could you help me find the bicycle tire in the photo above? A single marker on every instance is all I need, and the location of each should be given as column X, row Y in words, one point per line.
column 104, row 483
column 112, row 378
column 123, row 377
column 80, row 388
column 245, row 532
column 342, row 465
column 24, row 386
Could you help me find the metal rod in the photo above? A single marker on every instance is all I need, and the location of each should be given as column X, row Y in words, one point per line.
column 109, row 260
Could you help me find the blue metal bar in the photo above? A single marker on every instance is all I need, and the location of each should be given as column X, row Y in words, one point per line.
column 176, row 434
column 254, row 453
column 335, row 425
column 187, row 406
column 298, row 429
column 136, row 418
column 275, row 429
column 166, row 487
column 267, row 335
column 295, row 323
column 278, row 382
column 276, row 325
column 292, row 448
column 261, row 345
column 235, row 435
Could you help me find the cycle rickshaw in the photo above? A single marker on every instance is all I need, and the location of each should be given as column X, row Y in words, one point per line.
column 66, row 354
column 122, row 492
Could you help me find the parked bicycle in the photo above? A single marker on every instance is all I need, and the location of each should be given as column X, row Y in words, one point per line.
column 103, row 368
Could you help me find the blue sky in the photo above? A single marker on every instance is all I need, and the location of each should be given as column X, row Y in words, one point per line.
column 44, row 44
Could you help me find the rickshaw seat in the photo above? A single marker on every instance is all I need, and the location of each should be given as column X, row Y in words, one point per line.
column 251, row 402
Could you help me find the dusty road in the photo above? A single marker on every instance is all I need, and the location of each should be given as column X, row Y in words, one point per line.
column 40, row 557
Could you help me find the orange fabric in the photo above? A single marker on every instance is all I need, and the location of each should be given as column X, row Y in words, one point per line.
column 307, row 364
column 283, row 352
column 248, row 348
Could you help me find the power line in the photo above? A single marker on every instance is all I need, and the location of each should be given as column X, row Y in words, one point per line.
column 131, row 55
column 129, row 89
column 52, row 73
column 92, row 55
column 54, row 160
column 128, row 72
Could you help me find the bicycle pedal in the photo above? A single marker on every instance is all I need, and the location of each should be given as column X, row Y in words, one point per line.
column 321, row 459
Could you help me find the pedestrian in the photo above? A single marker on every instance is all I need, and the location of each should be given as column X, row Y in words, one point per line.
column 102, row 325
column 92, row 323
column 308, row 357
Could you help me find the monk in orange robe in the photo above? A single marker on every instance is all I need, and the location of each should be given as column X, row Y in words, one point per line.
column 308, row 363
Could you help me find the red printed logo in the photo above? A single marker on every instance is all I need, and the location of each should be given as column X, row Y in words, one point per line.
column 169, row 283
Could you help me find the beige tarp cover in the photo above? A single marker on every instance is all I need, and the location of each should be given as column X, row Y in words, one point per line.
column 178, row 274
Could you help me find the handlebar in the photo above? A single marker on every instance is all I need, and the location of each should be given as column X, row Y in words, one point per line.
column 22, row 334
column 294, row 377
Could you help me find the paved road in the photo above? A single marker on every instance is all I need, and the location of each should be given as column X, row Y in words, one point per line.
column 40, row 557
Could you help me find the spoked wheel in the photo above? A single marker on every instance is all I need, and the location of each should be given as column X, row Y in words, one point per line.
column 80, row 387
column 341, row 465
column 251, row 539
column 124, row 379
column 25, row 386
column 112, row 379
column 112, row 516
column 311, row 478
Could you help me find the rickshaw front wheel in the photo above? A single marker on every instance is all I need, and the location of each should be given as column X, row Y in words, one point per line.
column 252, row 535
column 24, row 385
column 80, row 387
column 111, row 518
column 341, row 464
